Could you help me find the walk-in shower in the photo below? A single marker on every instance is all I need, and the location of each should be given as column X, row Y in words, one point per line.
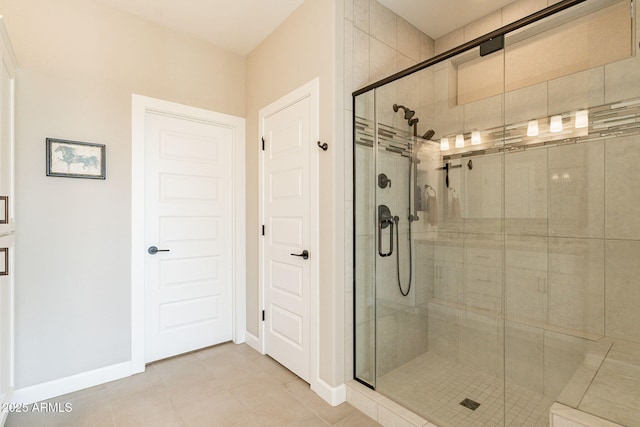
column 496, row 250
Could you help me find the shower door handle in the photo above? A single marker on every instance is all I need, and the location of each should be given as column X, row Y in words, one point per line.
column 383, row 224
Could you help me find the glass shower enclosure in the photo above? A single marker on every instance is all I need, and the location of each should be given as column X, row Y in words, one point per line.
column 496, row 232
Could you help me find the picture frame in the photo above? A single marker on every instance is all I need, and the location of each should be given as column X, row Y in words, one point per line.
column 4, row 261
column 4, row 209
column 75, row 159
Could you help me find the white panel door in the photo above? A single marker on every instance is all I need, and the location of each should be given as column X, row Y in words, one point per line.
column 286, row 210
column 188, row 217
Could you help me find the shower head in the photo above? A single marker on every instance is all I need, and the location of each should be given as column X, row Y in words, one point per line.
column 429, row 134
column 408, row 114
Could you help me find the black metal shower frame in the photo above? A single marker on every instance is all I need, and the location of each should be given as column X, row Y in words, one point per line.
column 487, row 39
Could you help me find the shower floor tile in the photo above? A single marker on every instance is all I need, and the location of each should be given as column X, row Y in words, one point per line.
column 433, row 387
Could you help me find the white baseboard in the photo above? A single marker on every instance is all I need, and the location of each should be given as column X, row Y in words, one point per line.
column 332, row 395
column 239, row 338
column 48, row 390
column 253, row 342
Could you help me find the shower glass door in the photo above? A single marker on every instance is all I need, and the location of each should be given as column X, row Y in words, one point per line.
column 496, row 232
column 570, row 116
column 364, row 238
column 429, row 241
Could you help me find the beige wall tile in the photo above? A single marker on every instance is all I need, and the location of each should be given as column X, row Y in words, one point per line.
column 403, row 62
column 525, row 104
column 482, row 26
column 382, row 61
column 621, row 79
column 361, row 14
column 524, row 356
column 622, row 209
column 361, row 59
column 426, row 96
column 365, row 215
column 479, row 78
column 441, row 84
column 526, row 267
column 526, row 193
column 427, row 47
column 362, row 403
column 574, row 46
column 563, row 355
column 520, row 9
column 483, row 114
column 400, row 411
column 383, row 24
column 576, row 284
column 443, row 330
column 408, row 39
column 449, row 41
column 412, row 333
column 576, row 190
column 480, row 343
column 483, row 195
column 349, row 328
column 564, row 416
column 447, row 119
column 622, row 297
column 424, row 272
column 391, row 419
column 615, row 391
column 407, row 94
column 387, row 327
column 610, row 409
column 577, row 91
column 348, row 9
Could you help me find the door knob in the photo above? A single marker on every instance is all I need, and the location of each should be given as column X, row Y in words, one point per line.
column 154, row 250
column 304, row 254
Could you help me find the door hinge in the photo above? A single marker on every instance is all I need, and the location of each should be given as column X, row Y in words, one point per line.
column 263, row 230
column 263, row 315
column 263, row 143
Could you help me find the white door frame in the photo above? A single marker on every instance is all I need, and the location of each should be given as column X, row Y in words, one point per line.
column 312, row 91
column 140, row 106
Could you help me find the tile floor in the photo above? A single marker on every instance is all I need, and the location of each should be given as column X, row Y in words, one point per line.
column 225, row 385
column 433, row 387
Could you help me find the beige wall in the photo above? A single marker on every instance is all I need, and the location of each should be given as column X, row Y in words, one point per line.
column 301, row 49
column 79, row 64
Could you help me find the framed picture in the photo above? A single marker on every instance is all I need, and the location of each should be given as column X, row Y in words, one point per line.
column 75, row 159
column 4, row 209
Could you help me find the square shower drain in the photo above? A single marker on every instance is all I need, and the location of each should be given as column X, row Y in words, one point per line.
column 470, row 404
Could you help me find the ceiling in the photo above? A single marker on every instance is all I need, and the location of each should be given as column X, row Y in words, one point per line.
column 236, row 25
column 240, row 25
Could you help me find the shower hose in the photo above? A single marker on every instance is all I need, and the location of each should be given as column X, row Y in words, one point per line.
column 396, row 219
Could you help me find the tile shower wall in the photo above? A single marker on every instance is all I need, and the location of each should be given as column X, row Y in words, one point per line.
column 379, row 43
